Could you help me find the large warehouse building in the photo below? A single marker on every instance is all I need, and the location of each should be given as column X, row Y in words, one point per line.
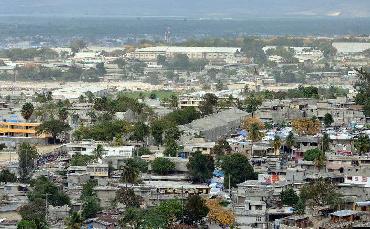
column 212, row 54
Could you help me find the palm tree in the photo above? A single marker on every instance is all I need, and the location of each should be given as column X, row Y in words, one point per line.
column 276, row 143
column 290, row 141
column 27, row 111
column 320, row 161
column 255, row 135
column 74, row 221
column 130, row 174
column 99, row 152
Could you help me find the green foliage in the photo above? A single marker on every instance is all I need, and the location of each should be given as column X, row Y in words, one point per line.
column 142, row 151
column 162, row 166
column 320, row 193
column 6, row 176
column 33, row 213
column 313, row 154
column 128, row 197
column 42, row 186
column 27, row 155
column 77, row 45
column 132, row 218
column 100, row 69
column 182, row 62
column 286, row 53
column 132, row 168
column 53, row 127
column 74, row 221
column 88, row 189
column 326, row 142
column 238, row 168
column 200, row 167
column 300, row 207
column 208, row 105
column 290, row 140
column 27, row 111
column 140, row 131
column 171, row 148
column 221, row 148
column 79, row 159
column 103, row 130
column 195, row 210
column 183, row 116
column 328, row 119
column 289, row 197
column 252, row 103
column 31, row 53
column 362, row 144
column 90, row 207
column 25, row 224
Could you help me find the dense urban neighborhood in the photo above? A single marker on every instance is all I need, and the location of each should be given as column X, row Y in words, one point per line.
column 244, row 132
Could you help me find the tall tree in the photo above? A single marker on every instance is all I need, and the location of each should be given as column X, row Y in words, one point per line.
column 195, row 210
column 99, row 152
column 130, row 172
column 276, row 143
column 163, row 166
column 27, row 155
column 363, row 90
column 27, row 111
column 237, row 168
column 289, row 197
column 128, row 197
column 290, row 141
column 252, row 103
column 208, row 105
column 328, row 119
column 200, row 167
column 362, row 144
column 171, row 148
column 53, row 127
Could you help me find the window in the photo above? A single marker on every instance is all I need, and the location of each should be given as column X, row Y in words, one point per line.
column 258, row 218
column 258, row 207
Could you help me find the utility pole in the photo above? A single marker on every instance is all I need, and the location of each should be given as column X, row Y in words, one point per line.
column 182, row 204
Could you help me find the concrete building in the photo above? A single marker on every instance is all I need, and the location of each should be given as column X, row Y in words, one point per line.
column 215, row 126
column 214, row 55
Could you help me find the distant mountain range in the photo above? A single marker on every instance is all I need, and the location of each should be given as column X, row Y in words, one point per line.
column 187, row 8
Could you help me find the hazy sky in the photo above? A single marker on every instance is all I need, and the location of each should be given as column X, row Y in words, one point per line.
column 188, row 8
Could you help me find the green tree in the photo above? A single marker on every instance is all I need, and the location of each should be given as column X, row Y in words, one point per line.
column 77, row 45
column 74, row 221
column 90, row 207
column 132, row 218
column 290, row 140
column 27, row 111
column 33, row 213
column 252, row 103
column 171, row 148
column 276, row 143
column 79, row 159
column 162, row 166
column 63, row 114
column 195, row 210
column 161, row 60
column 99, row 152
column 27, row 155
column 88, row 189
column 328, row 119
column 363, row 90
column 130, row 172
column 300, row 207
column 320, row 193
column 100, row 69
column 42, row 186
column 362, row 144
column 26, row 224
column 142, row 151
column 312, row 154
column 208, row 105
column 221, row 148
column 6, row 176
column 237, row 168
column 289, row 197
column 128, row 197
column 53, row 127
column 157, row 129
column 325, row 144
column 140, row 131
column 200, row 167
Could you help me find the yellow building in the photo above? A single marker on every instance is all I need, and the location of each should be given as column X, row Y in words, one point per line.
column 19, row 129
